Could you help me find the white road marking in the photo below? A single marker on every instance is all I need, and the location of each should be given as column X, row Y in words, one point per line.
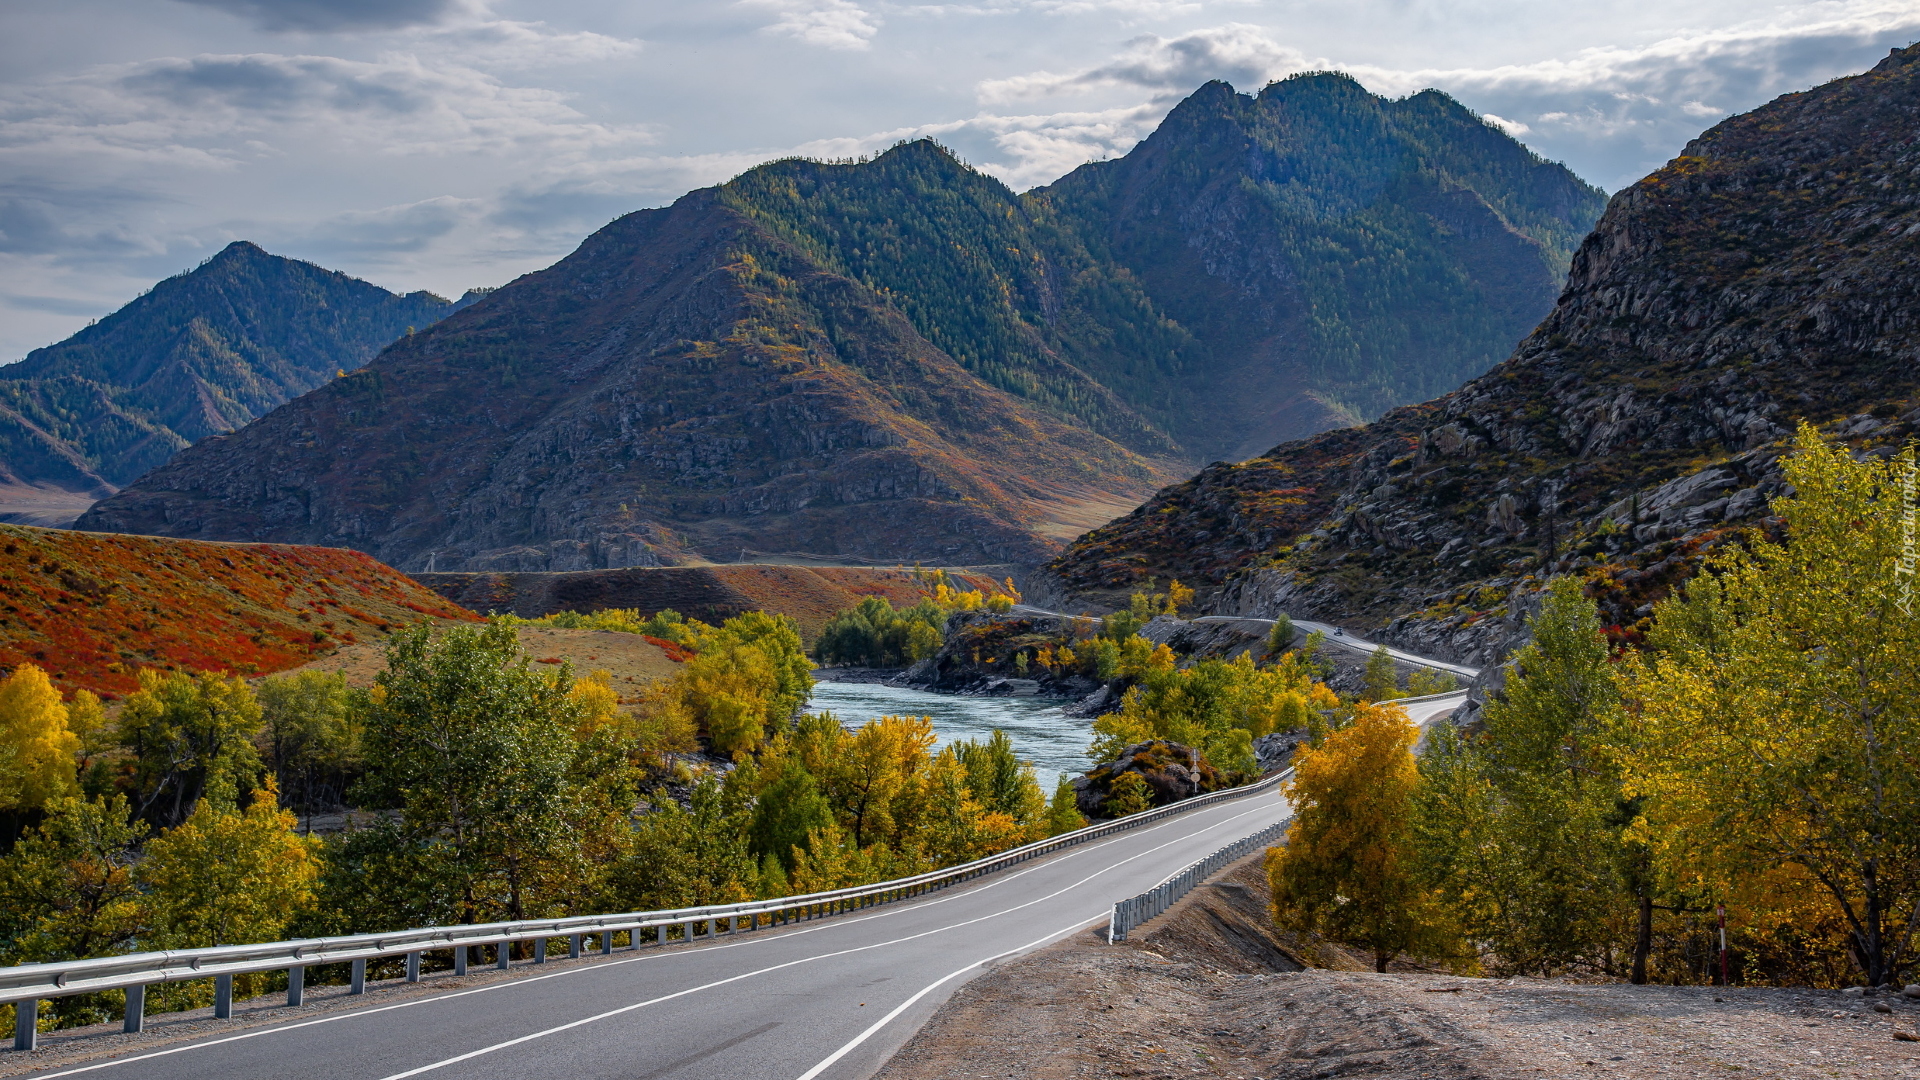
column 831, row 924
column 570, row 1025
column 930, row 988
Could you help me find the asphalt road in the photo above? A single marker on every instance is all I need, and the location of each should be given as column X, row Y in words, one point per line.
column 830, row 1000
column 1335, row 636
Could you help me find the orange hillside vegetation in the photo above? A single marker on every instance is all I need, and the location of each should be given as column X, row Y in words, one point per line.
column 94, row 608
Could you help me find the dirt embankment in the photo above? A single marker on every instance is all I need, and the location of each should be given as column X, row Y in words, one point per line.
column 811, row 594
column 1210, row 990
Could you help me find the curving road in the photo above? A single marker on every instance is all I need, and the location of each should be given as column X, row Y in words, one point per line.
column 830, row 1000
column 1335, row 636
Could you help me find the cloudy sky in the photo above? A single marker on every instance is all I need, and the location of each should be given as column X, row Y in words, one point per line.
column 443, row 144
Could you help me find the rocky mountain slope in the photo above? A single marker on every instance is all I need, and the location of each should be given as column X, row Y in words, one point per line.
column 1331, row 252
column 685, row 382
column 199, row 354
column 93, row 610
column 902, row 359
column 1769, row 274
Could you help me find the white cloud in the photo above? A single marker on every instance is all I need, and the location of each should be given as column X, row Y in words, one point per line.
column 502, row 43
column 833, row 24
column 1513, row 128
column 1239, row 53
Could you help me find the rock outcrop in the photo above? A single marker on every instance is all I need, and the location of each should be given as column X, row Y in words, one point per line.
column 1172, row 771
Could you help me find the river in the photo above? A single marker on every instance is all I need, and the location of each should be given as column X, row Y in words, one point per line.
column 1041, row 733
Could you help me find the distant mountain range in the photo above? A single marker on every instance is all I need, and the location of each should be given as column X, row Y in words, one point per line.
column 1769, row 274
column 902, row 359
column 200, row 354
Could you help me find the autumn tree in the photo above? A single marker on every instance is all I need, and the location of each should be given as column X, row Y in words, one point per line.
column 1776, row 721
column 185, row 733
column 1128, row 794
column 37, row 749
column 228, row 876
column 1346, row 871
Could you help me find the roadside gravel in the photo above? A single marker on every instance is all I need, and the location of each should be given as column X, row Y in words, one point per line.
column 1205, row 993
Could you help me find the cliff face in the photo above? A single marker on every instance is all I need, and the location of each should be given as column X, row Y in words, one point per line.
column 1767, row 275
column 201, row 353
column 684, row 382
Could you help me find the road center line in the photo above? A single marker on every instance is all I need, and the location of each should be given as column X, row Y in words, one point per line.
column 571, row 1024
column 829, row 925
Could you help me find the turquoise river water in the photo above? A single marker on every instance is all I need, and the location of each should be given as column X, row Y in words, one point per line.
column 1041, row 733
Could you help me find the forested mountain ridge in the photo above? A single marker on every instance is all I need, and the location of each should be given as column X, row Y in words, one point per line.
column 685, row 382
column 1769, row 274
column 1334, row 253
column 201, row 353
column 1260, row 267
column 899, row 358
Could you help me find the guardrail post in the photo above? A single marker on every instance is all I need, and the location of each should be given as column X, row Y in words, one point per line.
column 413, row 967
column 573, row 946
column 136, row 1015
column 296, row 984
column 606, row 943
column 358, row 983
column 753, row 921
column 26, row 1024
column 686, row 932
column 459, row 959
column 539, row 950
column 502, row 955
column 223, row 997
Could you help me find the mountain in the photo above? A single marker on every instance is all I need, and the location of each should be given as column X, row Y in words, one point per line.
column 685, row 382
column 1260, row 267
column 902, row 359
column 199, row 354
column 1333, row 253
column 1768, row 275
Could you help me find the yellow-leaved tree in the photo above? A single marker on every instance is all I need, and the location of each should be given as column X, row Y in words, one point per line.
column 37, row 750
column 1346, row 870
column 1775, row 723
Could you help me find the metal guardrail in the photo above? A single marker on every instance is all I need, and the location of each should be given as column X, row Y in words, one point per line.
column 1131, row 912
column 25, row 985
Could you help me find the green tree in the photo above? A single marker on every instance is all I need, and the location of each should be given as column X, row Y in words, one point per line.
column 185, row 734
column 1063, row 814
column 1000, row 780
column 1280, row 638
column 786, row 811
column 67, row 892
column 1346, row 871
column 683, row 857
column 474, row 748
column 1382, row 679
column 312, row 736
column 1523, row 824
